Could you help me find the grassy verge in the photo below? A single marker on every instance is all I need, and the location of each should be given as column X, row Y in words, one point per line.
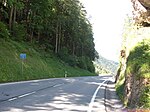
column 120, row 87
column 37, row 65
column 138, row 64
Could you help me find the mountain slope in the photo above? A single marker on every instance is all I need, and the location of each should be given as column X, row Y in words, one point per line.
column 106, row 65
column 37, row 65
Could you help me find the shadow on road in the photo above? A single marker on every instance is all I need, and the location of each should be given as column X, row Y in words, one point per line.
column 71, row 94
column 112, row 101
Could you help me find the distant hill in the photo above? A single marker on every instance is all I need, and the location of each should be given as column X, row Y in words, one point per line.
column 106, row 66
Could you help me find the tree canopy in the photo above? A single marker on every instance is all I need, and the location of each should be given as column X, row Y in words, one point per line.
column 57, row 25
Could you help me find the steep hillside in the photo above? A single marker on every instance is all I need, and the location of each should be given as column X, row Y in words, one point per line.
column 133, row 84
column 59, row 26
column 37, row 65
column 137, row 73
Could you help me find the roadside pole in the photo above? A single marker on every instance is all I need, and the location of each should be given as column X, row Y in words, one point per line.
column 22, row 57
column 65, row 74
column 22, row 67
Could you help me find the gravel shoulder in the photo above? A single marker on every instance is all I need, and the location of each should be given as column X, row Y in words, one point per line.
column 112, row 101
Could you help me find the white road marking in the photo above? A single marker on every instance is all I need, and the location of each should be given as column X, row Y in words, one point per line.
column 27, row 94
column 12, row 99
column 94, row 95
column 24, row 95
column 57, row 85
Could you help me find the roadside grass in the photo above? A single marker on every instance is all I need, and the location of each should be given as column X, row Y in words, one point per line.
column 145, row 97
column 139, row 60
column 139, row 64
column 120, row 88
column 38, row 64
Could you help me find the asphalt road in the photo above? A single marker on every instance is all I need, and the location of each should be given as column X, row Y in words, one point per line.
column 80, row 94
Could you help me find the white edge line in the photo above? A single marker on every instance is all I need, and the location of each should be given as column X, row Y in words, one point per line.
column 93, row 97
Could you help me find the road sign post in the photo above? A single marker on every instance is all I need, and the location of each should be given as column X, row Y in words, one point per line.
column 22, row 57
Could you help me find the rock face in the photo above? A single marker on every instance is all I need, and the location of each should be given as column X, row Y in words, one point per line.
column 141, row 10
column 145, row 3
column 136, row 84
column 133, row 89
column 134, row 67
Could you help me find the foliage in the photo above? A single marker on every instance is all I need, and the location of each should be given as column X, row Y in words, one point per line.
column 105, row 65
column 99, row 69
column 145, row 97
column 82, row 62
column 63, row 54
column 53, row 25
column 38, row 65
column 120, row 86
column 19, row 32
column 135, row 65
column 120, row 91
column 4, row 33
column 138, row 64
column 139, row 60
column 90, row 66
column 72, row 60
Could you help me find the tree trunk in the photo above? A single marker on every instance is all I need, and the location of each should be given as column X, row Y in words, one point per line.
column 31, row 35
column 59, row 38
column 14, row 19
column 81, row 50
column 56, row 42
column 73, row 49
column 0, row 16
column 38, row 36
column 10, row 18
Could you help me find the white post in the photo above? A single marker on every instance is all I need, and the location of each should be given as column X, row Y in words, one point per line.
column 65, row 74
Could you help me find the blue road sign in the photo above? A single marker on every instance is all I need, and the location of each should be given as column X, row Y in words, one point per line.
column 23, row 56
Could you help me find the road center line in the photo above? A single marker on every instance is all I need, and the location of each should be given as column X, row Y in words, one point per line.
column 30, row 93
column 57, row 85
column 27, row 94
column 94, row 95
column 21, row 96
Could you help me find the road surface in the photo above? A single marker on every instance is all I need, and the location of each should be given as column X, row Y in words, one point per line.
column 80, row 94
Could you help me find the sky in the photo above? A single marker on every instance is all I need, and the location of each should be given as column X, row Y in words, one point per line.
column 107, row 18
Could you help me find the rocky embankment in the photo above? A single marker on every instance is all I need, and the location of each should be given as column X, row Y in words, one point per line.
column 133, row 76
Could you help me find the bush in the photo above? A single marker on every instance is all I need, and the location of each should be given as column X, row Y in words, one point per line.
column 72, row 60
column 145, row 98
column 63, row 54
column 19, row 32
column 82, row 63
column 4, row 33
column 86, row 63
column 120, row 90
column 138, row 64
column 139, row 60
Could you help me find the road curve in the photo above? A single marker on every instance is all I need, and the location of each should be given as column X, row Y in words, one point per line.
column 80, row 94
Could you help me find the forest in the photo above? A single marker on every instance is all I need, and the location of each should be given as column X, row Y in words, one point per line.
column 58, row 26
